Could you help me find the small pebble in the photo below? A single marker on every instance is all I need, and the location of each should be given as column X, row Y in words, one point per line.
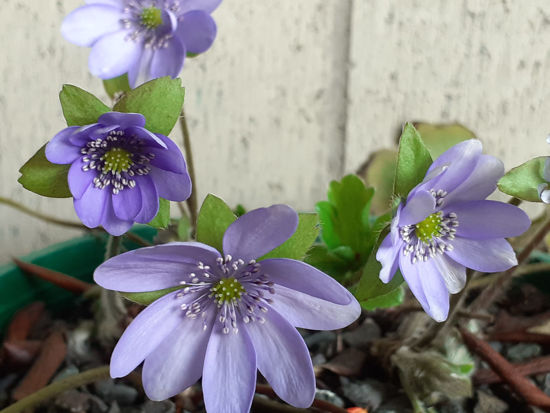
column 329, row 396
column 368, row 393
column 363, row 335
column 523, row 351
column 165, row 406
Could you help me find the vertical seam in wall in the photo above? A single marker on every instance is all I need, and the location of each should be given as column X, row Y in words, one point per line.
column 346, row 66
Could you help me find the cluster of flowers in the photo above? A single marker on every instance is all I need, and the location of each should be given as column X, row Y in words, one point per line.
column 231, row 314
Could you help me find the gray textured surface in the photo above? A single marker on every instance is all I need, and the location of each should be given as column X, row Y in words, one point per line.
column 295, row 93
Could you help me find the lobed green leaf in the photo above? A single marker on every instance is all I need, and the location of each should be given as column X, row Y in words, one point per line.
column 214, row 218
column 159, row 100
column 524, row 180
column 162, row 219
column 413, row 161
column 80, row 107
column 116, row 85
column 44, row 178
column 148, row 297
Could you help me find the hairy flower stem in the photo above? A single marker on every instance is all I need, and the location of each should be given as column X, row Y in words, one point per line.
column 35, row 399
column 192, row 200
column 495, row 290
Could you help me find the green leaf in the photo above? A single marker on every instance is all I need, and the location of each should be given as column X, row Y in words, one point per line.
column 44, row 178
column 337, row 265
column 391, row 299
column 159, row 100
column 345, row 216
column 440, row 137
column 80, row 107
column 214, row 218
column 148, row 297
column 116, row 85
column 300, row 242
column 162, row 219
column 413, row 161
column 523, row 181
column 380, row 174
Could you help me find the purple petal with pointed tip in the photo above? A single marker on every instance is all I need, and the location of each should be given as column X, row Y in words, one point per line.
column 418, row 207
column 488, row 255
column 229, row 373
column 388, row 255
column 178, row 361
column 489, row 219
column 259, row 231
column 153, row 268
column 170, row 159
column 283, row 359
column 124, row 120
column 147, row 332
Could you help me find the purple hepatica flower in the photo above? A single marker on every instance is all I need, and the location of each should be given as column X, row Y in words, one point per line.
column 230, row 316
column 145, row 38
column 119, row 170
column 447, row 226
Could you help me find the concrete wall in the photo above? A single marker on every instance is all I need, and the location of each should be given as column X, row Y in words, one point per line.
column 294, row 93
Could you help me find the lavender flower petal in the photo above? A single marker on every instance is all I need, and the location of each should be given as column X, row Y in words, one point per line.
column 127, row 204
column 178, row 361
column 453, row 273
column 306, row 311
column 171, row 186
column 207, row 5
column 122, row 119
column 489, row 219
column 90, row 208
column 146, row 333
column 113, row 224
column 85, row 25
column 114, row 3
column 259, row 231
column 229, row 373
column 147, row 137
column 427, row 285
column 113, row 55
column 149, row 199
column 79, row 181
column 388, row 256
column 157, row 267
column 138, row 73
column 481, row 183
column 489, row 255
column 197, row 31
column 170, row 160
column 420, row 206
column 168, row 60
column 284, row 359
column 60, row 150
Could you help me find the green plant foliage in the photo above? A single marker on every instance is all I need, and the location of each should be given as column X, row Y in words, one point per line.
column 440, row 137
column 159, row 100
column 184, row 229
column 44, row 178
column 214, row 218
column 413, row 161
column 392, row 299
column 80, row 107
column 300, row 242
column 345, row 216
column 150, row 296
column 524, row 180
column 162, row 219
column 116, row 85
column 336, row 263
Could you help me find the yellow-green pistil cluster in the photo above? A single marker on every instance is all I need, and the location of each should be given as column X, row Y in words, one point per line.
column 151, row 17
column 429, row 228
column 117, row 160
column 227, row 290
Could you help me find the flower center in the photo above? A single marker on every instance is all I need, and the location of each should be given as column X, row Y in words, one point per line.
column 227, row 290
column 117, row 160
column 151, row 17
column 429, row 227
